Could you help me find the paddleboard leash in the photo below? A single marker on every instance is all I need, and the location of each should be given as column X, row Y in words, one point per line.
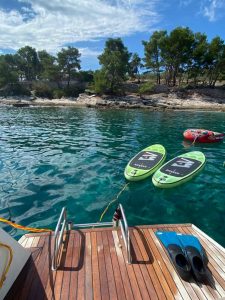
column 112, row 201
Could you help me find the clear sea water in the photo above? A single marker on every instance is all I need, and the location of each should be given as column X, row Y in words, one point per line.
column 55, row 157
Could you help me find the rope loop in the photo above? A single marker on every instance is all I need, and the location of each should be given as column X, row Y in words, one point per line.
column 6, row 270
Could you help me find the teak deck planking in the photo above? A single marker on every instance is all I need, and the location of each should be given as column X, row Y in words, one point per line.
column 93, row 266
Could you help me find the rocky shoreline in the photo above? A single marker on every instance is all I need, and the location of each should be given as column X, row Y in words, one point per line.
column 211, row 100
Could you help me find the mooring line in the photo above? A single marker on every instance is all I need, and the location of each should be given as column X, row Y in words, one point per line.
column 18, row 226
column 112, row 201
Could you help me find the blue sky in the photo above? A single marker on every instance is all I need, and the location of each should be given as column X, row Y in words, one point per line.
column 86, row 24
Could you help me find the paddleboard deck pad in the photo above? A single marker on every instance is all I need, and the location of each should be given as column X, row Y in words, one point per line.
column 145, row 163
column 179, row 170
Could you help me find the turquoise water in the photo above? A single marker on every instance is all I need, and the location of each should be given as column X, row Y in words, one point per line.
column 55, row 157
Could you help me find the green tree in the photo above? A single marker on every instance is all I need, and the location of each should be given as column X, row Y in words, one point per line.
column 198, row 61
column 153, row 52
column 8, row 73
column 134, row 65
column 85, row 76
column 28, row 63
column 100, row 82
column 115, row 65
column 69, row 63
column 49, row 69
column 215, row 60
column 176, row 51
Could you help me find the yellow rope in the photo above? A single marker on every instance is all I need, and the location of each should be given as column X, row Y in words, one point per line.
column 2, row 279
column 111, row 202
column 31, row 229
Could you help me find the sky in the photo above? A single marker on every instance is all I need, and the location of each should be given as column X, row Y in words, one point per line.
column 87, row 24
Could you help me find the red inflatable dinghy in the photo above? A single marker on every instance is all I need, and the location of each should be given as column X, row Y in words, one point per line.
column 203, row 136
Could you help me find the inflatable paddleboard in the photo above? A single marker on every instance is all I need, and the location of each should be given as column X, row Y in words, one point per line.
column 145, row 163
column 179, row 170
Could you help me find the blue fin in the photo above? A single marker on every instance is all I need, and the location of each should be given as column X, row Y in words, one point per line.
column 168, row 237
column 171, row 242
column 190, row 240
column 196, row 255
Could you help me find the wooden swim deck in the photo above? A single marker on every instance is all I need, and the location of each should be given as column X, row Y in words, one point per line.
column 93, row 266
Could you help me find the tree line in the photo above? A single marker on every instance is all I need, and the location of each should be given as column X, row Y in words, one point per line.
column 185, row 56
column 40, row 70
column 29, row 64
column 176, row 58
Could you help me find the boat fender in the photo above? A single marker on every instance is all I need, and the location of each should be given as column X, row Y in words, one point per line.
column 117, row 215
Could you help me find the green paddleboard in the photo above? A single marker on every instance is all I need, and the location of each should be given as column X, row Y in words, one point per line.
column 145, row 163
column 179, row 170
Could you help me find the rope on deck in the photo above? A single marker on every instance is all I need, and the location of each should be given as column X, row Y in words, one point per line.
column 6, row 270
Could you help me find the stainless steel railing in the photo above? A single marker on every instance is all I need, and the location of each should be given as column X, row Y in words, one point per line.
column 85, row 225
column 59, row 231
column 125, row 233
column 62, row 224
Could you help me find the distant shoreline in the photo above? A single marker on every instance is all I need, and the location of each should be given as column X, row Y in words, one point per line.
column 187, row 100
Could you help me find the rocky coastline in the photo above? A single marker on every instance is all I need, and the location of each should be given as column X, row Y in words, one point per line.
column 195, row 99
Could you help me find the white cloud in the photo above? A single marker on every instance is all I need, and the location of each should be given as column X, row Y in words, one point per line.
column 211, row 8
column 86, row 52
column 51, row 24
column 184, row 3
